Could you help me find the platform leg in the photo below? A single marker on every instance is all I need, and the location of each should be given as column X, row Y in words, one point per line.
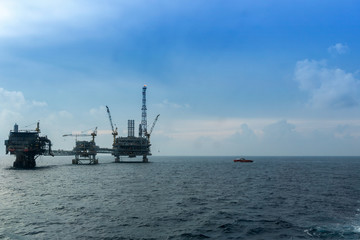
column 24, row 161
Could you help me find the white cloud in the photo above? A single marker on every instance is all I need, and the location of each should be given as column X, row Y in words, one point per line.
column 65, row 114
column 327, row 88
column 11, row 99
column 15, row 101
column 279, row 130
column 258, row 137
column 14, row 108
column 6, row 117
column 98, row 111
column 167, row 104
column 39, row 104
column 338, row 48
column 21, row 18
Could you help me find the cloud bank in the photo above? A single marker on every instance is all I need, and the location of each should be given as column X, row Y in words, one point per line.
column 265, row 138
column 331, row 88
column 11, row 99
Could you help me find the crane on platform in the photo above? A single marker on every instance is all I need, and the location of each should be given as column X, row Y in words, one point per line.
column 84, row 150
column 147, row 134
column 94, row 134
column 76, row 135
column 114, row 131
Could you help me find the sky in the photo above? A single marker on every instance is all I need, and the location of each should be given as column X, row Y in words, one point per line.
column 228, row 78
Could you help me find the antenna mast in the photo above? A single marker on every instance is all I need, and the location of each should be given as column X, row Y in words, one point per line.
column 143, row 115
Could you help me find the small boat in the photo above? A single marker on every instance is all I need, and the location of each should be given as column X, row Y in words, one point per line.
column 242, row 160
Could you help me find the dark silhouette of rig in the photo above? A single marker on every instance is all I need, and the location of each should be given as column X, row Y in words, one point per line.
column 85, row 151
column 132, row 146
column 27, row 145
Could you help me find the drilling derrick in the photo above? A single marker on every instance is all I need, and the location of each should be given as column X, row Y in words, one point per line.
column 143, row 114
column 27, row 145
column 132, row 146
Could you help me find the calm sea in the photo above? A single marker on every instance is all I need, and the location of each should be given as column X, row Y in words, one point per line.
column 182, row 198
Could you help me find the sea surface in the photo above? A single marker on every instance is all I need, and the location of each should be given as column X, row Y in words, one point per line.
column 182, row 198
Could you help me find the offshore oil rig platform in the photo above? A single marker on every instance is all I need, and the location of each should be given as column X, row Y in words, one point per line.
column 132, row 146
column 27, row 145
column 85, row 151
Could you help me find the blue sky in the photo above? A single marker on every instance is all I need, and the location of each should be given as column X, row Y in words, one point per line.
column 227, row 77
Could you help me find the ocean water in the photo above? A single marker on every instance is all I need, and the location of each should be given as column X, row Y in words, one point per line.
column 182, row 198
